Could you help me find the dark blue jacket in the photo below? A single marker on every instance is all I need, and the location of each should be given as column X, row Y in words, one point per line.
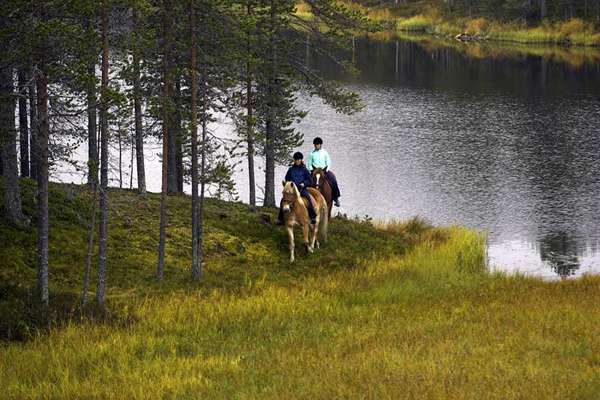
column 299, row 174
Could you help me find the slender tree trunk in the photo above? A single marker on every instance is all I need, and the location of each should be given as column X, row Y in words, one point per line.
column 90, row 248
column 120, row 157
column 196, row 262
column 269, row 200
column 33, row 126
column 8, row 148
column 249, row 120
column 165, row 155
column 23, row 125
column 175, row 141
column 42, row 179
column 137, row 104
column 92, row 118
column 178, row 138
column 543, row 9
column 202, row 178
column 131, row 162
column 102, row 252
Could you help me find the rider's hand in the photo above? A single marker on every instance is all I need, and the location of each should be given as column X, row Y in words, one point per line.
column 302, row 184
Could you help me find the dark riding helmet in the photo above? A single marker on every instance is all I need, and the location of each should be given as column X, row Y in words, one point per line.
column 298, row 156
column 317, row 140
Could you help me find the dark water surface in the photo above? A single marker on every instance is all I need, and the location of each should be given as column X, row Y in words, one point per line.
column 508, row 145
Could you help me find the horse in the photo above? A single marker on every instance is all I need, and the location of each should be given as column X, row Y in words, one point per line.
column 322, row 184
column 296, row 213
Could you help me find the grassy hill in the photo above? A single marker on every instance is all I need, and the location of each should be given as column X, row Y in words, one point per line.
column 382, row 311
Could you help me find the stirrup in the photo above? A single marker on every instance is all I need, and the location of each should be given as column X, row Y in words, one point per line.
column 336, row 202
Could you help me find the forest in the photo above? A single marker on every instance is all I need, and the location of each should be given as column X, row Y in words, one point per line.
column 114, row 74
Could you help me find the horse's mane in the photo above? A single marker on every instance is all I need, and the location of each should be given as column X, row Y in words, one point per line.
column 292, row 185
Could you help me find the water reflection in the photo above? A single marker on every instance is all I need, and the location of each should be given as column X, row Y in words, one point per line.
column 559, row 249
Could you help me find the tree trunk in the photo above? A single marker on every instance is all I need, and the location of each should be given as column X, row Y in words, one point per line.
column 42, row 179
column 8, row 148
column 202, row 179
column 178, row 138
column 90, row 248
column 165, row 155
column 92, row 118
column 175, row 141
column 102, row 252
column 33, row 127
column 249, row 121
column 120, row 132
column 23, row 125
column 196, row 262
column 269, row 200
column 137, row 104
column 543, row 9
column 131, row 162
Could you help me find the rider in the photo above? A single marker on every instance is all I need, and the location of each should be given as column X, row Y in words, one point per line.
column 298, row 174
column 319, row 158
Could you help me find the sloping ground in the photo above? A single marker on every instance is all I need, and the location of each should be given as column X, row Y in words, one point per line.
column 403, row 311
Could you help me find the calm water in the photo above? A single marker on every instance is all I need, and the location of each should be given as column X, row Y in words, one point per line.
column 509, row 145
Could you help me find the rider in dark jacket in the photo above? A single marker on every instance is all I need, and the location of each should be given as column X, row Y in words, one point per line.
column 299, row 174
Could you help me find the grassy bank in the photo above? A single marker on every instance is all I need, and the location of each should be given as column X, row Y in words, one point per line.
column 425, row 18
column 384, row 311
column 574, row 32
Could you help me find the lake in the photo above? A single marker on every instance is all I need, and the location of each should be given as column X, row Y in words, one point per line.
column 503, row 139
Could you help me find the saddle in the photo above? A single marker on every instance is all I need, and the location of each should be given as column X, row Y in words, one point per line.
column 312, row 199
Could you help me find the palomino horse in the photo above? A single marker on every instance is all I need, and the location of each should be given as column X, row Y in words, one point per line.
column 296, row 213
column 322, row 184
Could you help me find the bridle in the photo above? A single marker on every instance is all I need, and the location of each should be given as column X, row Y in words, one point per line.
column 288, row 199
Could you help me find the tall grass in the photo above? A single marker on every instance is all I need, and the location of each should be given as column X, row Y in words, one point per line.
column 384, row 310
column 573, row 32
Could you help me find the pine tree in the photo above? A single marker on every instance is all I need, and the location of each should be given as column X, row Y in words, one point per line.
column 103, row 238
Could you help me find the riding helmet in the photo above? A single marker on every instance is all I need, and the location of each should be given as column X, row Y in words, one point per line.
column 298, row 156
column 317, row 140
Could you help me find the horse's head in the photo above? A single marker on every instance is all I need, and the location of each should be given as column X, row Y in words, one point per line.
column 290, row 195
column 318, row 175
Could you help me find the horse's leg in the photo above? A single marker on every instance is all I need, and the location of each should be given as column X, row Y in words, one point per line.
column 305, row 229
column 290, row 231
column 314, row 240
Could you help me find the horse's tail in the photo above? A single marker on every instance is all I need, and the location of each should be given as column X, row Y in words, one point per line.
column 324, row 221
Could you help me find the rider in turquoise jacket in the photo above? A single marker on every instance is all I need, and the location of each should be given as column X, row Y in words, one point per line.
column 319, row 158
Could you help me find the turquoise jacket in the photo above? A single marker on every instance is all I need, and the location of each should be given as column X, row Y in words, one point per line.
column 318, row 159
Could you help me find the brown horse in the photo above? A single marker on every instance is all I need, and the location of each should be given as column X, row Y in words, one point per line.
column 295, row 212
column 320, row 181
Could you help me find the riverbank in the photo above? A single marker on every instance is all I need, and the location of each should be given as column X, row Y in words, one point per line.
column 570, row 33
column 574, row 56
column 383, row 310
column 424, row 18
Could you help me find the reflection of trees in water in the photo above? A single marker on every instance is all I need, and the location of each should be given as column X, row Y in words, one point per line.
column 559, row 249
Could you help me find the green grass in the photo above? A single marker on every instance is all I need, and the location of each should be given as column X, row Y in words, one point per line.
column 386, row 310
column 573, row 32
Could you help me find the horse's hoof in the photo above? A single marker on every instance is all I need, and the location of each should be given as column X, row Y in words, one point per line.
column 310, row 249
column 318, row 245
